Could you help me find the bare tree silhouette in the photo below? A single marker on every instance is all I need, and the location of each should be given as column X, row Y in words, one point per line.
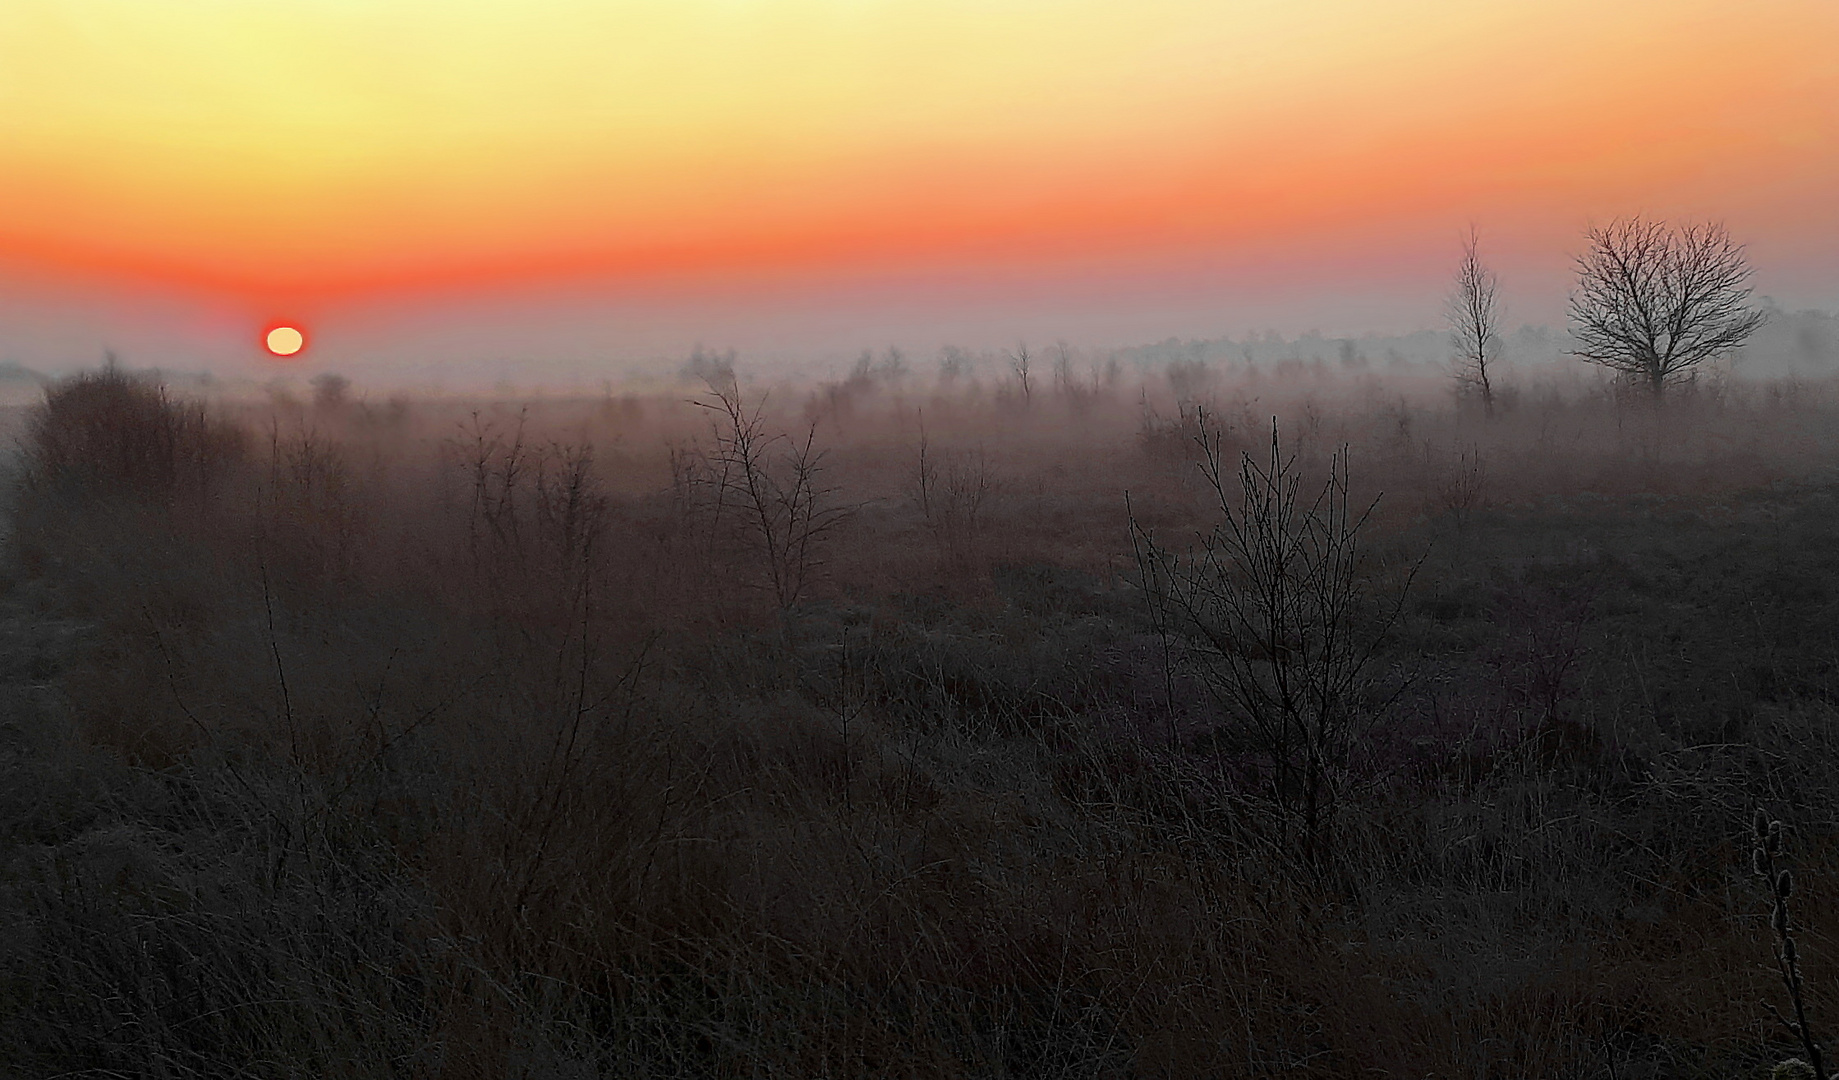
column 1020, row 362
column 1474, row 326
column 1654, row 301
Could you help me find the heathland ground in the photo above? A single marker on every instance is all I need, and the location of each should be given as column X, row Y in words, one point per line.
column 670, row 735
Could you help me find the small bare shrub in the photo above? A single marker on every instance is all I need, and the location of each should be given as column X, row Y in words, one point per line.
column 1276, row 610
column 1460, row 483
column 953, row 491
column 1166, row 438
column 788, row 512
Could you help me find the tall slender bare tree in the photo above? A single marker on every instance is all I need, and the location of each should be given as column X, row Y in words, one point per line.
column 1021, row 362
column 1654, row 301
column 1474, row 323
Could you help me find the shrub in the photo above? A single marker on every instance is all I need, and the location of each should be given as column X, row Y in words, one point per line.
column 111, row 430
column 1274, row 607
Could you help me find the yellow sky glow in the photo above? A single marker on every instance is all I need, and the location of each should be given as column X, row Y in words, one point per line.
column 309, row 148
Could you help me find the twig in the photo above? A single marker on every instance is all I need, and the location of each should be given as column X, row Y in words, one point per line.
column 1781, row 884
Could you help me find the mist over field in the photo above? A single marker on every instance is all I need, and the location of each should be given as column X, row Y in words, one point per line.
column 923, row 716
column 1792, row 344
column 810, row 539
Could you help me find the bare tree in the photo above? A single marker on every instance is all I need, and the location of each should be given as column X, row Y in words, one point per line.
column 925, row 473
column 1473, row 321
column 1020, row 362
column 1654, row 301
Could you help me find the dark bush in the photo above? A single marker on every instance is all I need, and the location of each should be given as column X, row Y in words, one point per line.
column 115, row 431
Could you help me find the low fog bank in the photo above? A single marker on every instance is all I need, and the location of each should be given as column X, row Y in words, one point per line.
column 1062, row 425
column 1798, row 344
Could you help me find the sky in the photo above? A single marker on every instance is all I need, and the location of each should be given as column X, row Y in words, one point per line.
column 555, row 185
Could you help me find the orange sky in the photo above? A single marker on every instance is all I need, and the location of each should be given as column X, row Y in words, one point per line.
column 316, row 154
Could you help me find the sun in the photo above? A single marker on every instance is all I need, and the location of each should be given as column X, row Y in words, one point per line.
column 284, row 341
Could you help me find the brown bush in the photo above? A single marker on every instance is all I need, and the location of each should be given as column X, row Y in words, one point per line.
column 114, row 430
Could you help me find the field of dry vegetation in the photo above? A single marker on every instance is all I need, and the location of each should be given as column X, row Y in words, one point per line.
column 959, row 734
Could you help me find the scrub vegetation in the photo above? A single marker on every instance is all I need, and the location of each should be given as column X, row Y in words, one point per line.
column 1008, row 723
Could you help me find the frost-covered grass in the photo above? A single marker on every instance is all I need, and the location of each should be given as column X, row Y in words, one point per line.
column 472, row 740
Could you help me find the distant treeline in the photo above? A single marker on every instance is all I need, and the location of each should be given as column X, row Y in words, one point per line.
column 1789, row 343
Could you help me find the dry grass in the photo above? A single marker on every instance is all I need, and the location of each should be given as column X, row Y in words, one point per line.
column 451, row 740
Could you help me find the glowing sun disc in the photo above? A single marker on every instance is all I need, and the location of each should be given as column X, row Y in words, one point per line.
column 285, row 341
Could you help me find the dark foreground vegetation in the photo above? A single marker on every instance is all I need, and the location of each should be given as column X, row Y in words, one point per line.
column 634, row 737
